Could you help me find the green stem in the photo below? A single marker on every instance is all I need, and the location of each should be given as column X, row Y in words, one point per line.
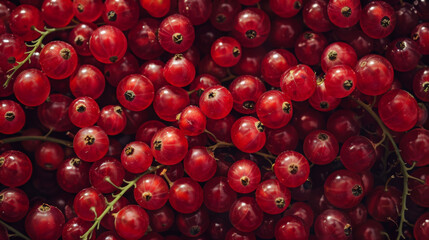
column 36, row 44
column 16, row 232
column 41, row 138
column 109, row 206
column 404, row 169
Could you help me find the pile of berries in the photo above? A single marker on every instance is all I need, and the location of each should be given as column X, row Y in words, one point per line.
column 210, row 120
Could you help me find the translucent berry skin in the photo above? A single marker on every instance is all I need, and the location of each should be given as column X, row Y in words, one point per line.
column 298, row 82
column 291, row 168
column 382, row 203
column 344, row 189
column 309, row 47
column 244, row 176
column 12, row 117
column 358, row 154
column 291, row 227
column 200, row 164
column 343, row 124
column 419, row 191
column 136, row 157
column 22, row 18
column 226, row 51
column 374, row 75
column 110, row 168
column 332, row 224
column 73, row 175
column 274, row 109
column 76, row 227
column 87, row 81
column 192, row 121
column 152, row 69
column 315, row 16
column 340, row 81
column 398, row 110
column 162, row 219
column 91, row 143
column 216, row 102
column 275, row 63
column 338, row 53
column 320, row 147
column 286, row 8
column 14, row 204
column 143, row 41
column 248, row 134
column 31, row 87
column 87, row 11
column 12, row 50
column 15, row 168
column 179, row 71
column 344, row 14
column 251, row 27
column 44, row 222
column 414, row 147
column 57, row 13
column 58, row 59
column 151, row 192
column 198, row 11
column 108, row 44
column 169, row 146
column 245, row 214
column 420, row 35
column 378, row 19
column 234, row 234
column 87, row 201
column 156, row 8
column 131, row 222
column 404, row 54
column 272, row 197
column 218, row 195
column 84, row 112
column 170, row 101
column 122, row 14
column 281, row 139
column 49, row 155
column 176, row 34
column 321, row 100
column 421, row 84
column 186, row 195
column 245, row 91
column 135, row 92
column 421, row 229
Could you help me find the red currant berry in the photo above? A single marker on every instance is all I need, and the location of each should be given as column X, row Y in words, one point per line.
column 151, row 192
column 186, row 195
column 108, row 44
column 136, row 157
column 15, row 168
column 87, row 10
column 131, row 222
column 358, row 154
column 251, row 27
column 320, row 147
column 378, row 19
column 31, row 87
column 176, row 33
column 248, row 134
column 216, row 102
column 89, row 203
column 226, row 51
column 291, row 168
column 14, row 204
column 344, row 14
column 291, row 227
column 84, row 112
column 91, row 144
column 374, row 75
column 13, row 117
column 332, row 224
column 73, row 175
column 169, row 146
column 57, row 13
column 218, row 195
column 179, row 71
column 245, row 214
column 298, row 82
column 44, row 222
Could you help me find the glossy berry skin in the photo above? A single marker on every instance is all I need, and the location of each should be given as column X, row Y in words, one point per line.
column 87, row 81
column 344, row 14
column 84, row 112
column 251, row 27
column 272, row 197
column 186, row 195
column 73, row 175
column 291, row 168
column 321, row 100
column 22, row 18
column 44, row 222
column 143, row 41
column 170, row 101
column 394, row 114
column 320, row 147
column 245, row 214
column 89, row 203
column 169, row 146
column 274, row 109
column 108, row 44
column 281, row 139
column 131, row 222
column 245, row 91
column 76, row 227
column 112, row 119
column 358, row 154
column 420, row 35
column 216, row 102
column 49, row 155
column 343, row 124
column 244, row 176
column 419, row 191
column 248, row 134
column 156, row 8
column 378, row 19
column 192, row 121
column 58, row 59
column 340, row 81
column 382, row 203
column 198, row 11
column 421, row 229
column 91, row 143
column 344, row 189
column 309, row 47
column 226, row 51
column 87, row 11
column 291, row 227
column 136, row 157
column 298, row 82
column 315, row 16
column 338, row 53
column 15, row 168
column 332, row 224
column 421, row 84
column 151, row 192
column 179, row 71
column 12, row 117
column 286, row 8
column 122, row 14
column 218, row 195
column 162, row 219
column 57, row 13
column 53, row 113
column 176, row 34
column 275, row 63
column 404, row 54
column 200, row 164
column 14, row 204
column 135, row 92
column 374, row 75
column 31, row 87
column 12, row 50
column 413, row 147
column 193, row 224
column 106, row 168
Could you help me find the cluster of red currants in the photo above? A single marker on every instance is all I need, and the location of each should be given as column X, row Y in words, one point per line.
column 223, row 119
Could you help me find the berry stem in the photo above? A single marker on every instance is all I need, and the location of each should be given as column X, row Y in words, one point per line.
column 109, row 206
column 41, row 138
column 16, row 232
column 35, row 45
column 404, row 169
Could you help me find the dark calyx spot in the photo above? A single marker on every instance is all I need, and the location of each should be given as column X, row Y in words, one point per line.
column 322, row 136
column 348, row 84
column 249, row 105
column 346, row 11
column 80, row 108
column 347, row 229
column 293, row 169
column 44, row 207
column 78, row 40
column 157, row 145
column 89, row 140
column 177, row 38
column 244, row 180
column 260, row 126
column 280, row 202
column 129, row 95
column 416, row 37
column 400, row 45
column 220, row 18
column 236, row 52
column 308, row 35
column 357, row 190
column 332, row 55
column 286, row 107
column 80, row 8
column 118, row 110
column 212, row 95
column 75, row 162
column 251, row 34
column 9, row 116
column 129, row 151
column 147, row 196
column 194, row 230
column 385, row 21
column 297, row 5
column 178, row 56
column 11, row 60
column 324, row 105
column 200, row 92
column 425, row 86
column 113, row 59
column 65, row 53
column 111, row 16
